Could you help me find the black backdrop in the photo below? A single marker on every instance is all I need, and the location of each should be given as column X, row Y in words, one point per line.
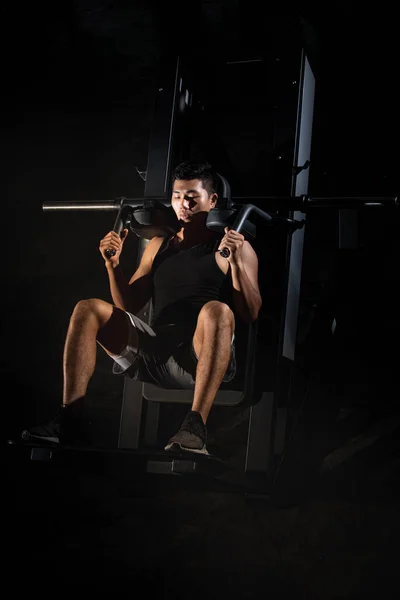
column 79, row 89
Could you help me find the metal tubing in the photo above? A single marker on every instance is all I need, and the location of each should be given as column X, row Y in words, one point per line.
column 240, row 220
column 302, row 203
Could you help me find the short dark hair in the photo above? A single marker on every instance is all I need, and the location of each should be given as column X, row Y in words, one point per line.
column 190, row 169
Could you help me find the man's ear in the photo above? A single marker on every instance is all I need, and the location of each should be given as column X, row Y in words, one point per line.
column 214, row 200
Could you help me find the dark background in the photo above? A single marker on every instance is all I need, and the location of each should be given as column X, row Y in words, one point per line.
column 78, row 91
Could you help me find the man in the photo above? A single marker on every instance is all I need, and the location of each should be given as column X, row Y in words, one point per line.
column 196, row 295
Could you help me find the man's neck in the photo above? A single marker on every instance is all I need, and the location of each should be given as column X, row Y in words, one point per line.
column 188, row 236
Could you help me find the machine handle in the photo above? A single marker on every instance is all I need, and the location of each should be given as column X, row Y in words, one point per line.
column 240, row 220
column 225, row 252
column 118, row 227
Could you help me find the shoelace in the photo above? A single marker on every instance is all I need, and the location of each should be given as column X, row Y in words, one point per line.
column 192, row 425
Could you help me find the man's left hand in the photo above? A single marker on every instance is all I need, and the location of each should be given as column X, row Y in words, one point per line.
column 234, row 242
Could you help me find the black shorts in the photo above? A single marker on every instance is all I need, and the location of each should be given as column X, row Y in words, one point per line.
column 165, row 356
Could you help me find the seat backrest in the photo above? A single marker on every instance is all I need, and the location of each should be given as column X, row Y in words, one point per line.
column 224, row 192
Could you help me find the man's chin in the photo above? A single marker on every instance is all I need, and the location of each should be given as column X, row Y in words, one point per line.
column 192, row 218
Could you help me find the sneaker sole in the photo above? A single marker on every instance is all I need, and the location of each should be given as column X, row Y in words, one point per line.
column 29, row 437
column 177, row 446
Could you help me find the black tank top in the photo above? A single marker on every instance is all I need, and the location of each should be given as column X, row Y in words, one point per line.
column 184, row 280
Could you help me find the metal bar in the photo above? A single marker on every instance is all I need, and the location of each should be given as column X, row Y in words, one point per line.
column 302, row 203
column 245, row 211
column 162, row 140
column 352, row 201
column 290, row 313
column 100, row 205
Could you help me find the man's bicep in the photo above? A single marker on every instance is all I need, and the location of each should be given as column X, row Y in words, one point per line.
column 250, row 262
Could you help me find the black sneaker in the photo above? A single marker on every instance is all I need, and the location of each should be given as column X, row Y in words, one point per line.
column 192, row 435
column 48, row 433
column 65, row 428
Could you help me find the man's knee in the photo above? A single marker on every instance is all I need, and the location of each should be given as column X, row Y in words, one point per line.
column 93, row 308
column 217, row 313
column 113, row 324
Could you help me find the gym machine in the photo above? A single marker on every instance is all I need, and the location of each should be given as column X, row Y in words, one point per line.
column 175, row 108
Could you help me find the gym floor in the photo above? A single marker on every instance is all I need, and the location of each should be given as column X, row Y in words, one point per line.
column 90, row 522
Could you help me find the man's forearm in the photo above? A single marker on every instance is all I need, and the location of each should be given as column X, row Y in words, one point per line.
column 247, row 300
column 119, row 288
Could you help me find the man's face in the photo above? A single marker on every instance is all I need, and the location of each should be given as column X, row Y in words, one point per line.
column 190, row 198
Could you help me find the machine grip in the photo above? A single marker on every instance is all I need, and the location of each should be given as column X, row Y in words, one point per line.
column 109, row 252
column 118, row 227
column 225, row 252
column 240, row 220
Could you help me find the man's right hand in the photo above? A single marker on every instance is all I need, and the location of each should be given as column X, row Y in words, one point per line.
column 112, row 241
